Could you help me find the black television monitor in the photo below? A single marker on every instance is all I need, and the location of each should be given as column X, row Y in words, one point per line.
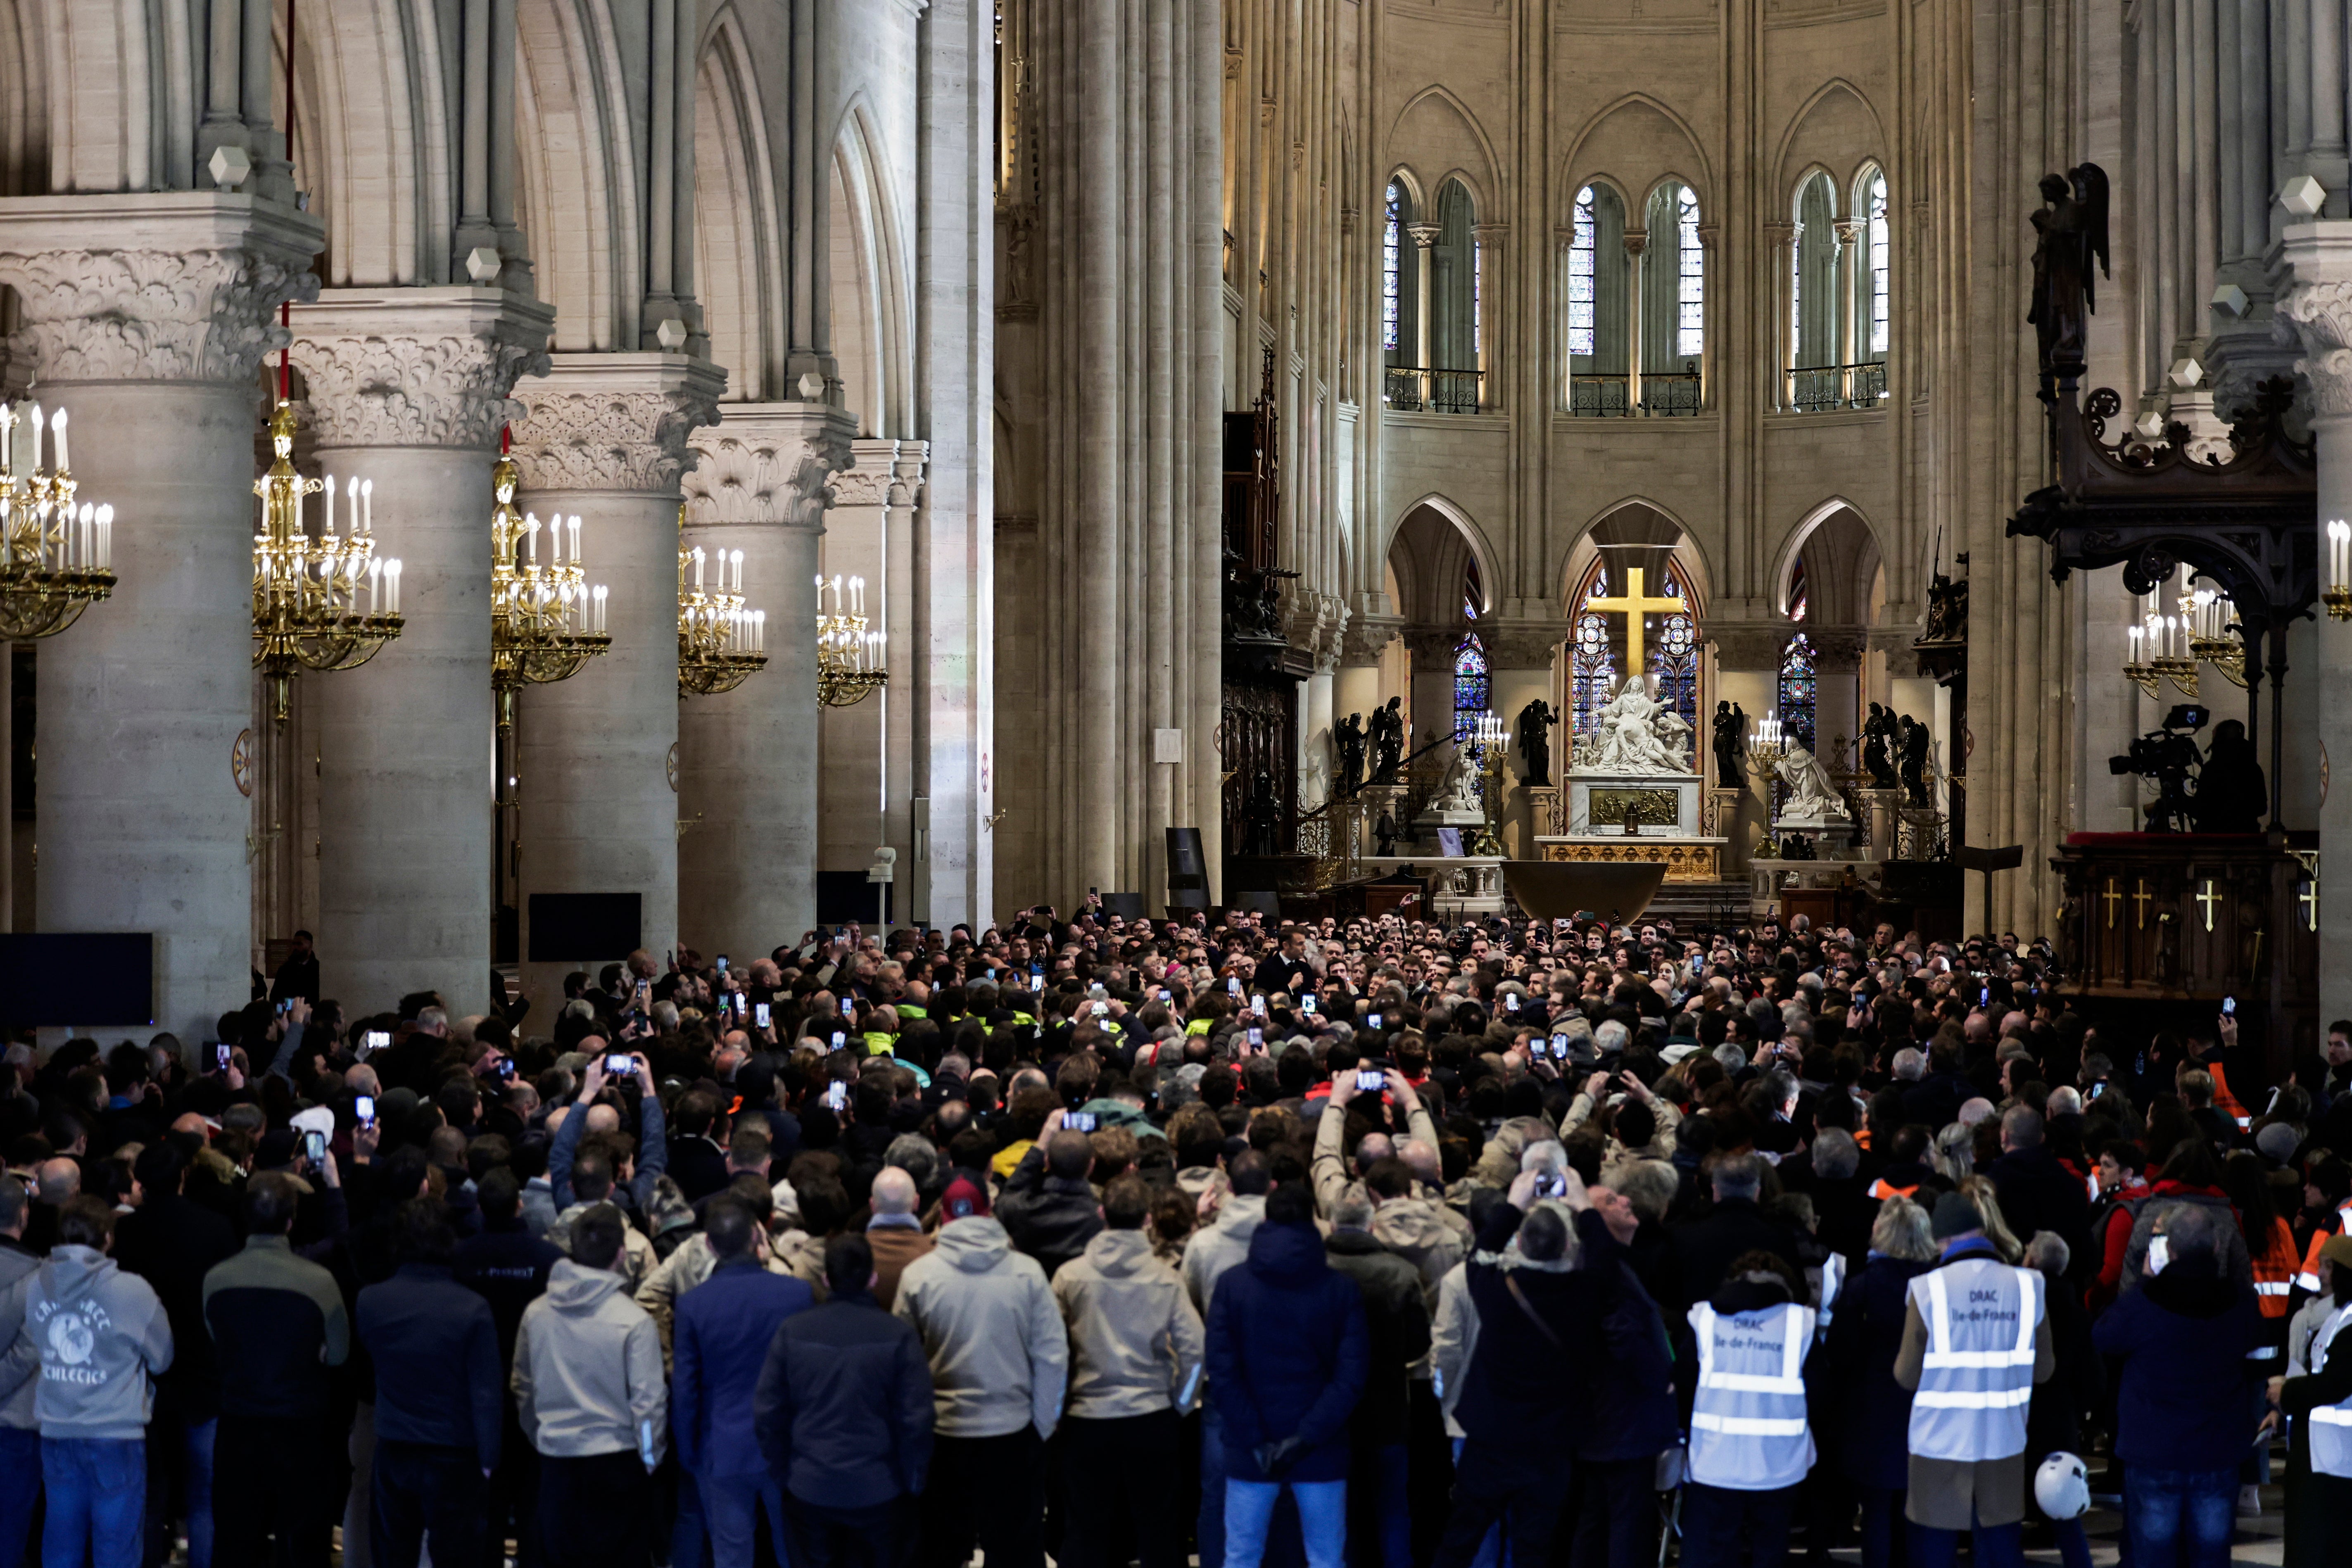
column 98, row 979
column 585, row 928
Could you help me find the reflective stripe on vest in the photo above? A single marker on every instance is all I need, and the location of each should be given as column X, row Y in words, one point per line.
column 2331, row 1425
column 1977, row 1376
column 1880, row 1191
column 2308, row 1280
column 1748, row 1431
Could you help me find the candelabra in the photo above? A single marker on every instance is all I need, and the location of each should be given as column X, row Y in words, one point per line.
column 54, row 560
column 2337, row 596
column 2167, row 644
column 849, row 659
column 2210, row 619
column 546, row 621
column 720, row 643
column 1488, row 742
column 2137, row 669
column 306, row 591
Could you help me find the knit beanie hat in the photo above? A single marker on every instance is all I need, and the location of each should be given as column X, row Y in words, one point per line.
column 2277, row 1142
column 1954, row 1216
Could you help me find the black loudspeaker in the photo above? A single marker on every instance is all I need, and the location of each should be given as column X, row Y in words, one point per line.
column 100, row 979
column 1260, row 901
column 845, row 896
column 1186, row 868
column 1125, row 906
column 585, row 928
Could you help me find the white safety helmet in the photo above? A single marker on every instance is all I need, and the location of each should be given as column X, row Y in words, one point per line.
column 2063, row 1487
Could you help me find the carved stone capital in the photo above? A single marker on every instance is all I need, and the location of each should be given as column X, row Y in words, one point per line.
column 1424, row 235
column 2314, row 278
column 151, row 285
column 1836, row 645
column 882, row 472
column 769, row 463
column 1317, row 625
column 616, row 422
column 1749, row 645
column 417, row 367
column 1365, row 636
column 1521, row 644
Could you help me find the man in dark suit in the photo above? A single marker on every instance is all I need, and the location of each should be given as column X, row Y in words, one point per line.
column 698, row 1163
column 2036, row 1192
column 1699, row 1251
column 298, row 975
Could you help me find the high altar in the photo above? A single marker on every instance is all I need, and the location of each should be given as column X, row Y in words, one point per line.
column 1633, row 791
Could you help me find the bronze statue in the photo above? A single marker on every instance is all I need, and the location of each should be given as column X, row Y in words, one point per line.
column 1262, row 816
column 1350, row 737
column 1914, row 739
column 1876, row 730
column 2072, row 224
column 1729, row 739
column 1388, row 740
column 1384, row 832
column 1536, row 721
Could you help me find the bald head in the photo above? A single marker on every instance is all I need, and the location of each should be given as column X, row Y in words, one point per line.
column 1420, row 1156
column 603, row 1119
column 1374, row 1147
column 59, row 1180
column 893, row 1191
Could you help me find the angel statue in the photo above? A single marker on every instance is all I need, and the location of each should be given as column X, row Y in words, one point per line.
column 1635, row 732
column 2073, row 235
column 1812, row 795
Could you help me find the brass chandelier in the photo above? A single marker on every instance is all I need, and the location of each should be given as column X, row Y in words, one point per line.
column 307, row 591
column 54, row 561
column 546, row 621
column 849, row 659
column 720, row 645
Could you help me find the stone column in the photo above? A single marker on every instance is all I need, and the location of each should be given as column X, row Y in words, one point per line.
column 2313, row 277
column 1837, row 681
column 868, row 527
column 605, row 438
column 748, row 760
column 407, row 388
column 146, row 316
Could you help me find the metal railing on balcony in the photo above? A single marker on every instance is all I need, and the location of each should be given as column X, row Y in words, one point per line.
column 1665, row 395
column 1818, row 389
column 1421, row 389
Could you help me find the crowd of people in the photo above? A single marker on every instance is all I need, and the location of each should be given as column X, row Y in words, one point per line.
column 1364, row 1241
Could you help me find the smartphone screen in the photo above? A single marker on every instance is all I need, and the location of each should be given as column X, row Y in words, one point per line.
column 374, row 1040
column 1510, row 1003
column 759, row 1014
column 1234, row 985
column 1371, row 1020
column 838, row 1039
column 315, row 1145
column 1256, row 1035
column 1307, row 1005
column 221, row 1057
column 1371, row 1079
column 1099, row 1008
column 2229, row 1006
column 1164, row 997
column 1078, row 1121
column 1257, row 1003
column 363, row 1110
column 836, row 1094
column 722, row 964
column 618, row 1065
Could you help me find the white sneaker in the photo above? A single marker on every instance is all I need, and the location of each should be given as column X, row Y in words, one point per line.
column 2250, row 1502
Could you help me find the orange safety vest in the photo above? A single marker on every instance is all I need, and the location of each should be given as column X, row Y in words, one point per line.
column 1880, row 1192
column 2274, row 1269
column 2308, row 1279
column 2225, row 1102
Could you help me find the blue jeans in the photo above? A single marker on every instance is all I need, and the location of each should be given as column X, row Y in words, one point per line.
column 1490, row 1549
column 98, row 1501
column 730, row 1511
column 1726, row 1527
column 1322, row 1520
column 20, row 1489
column 1208, row 1532
column 2183, row 1516
column 1883, row 1527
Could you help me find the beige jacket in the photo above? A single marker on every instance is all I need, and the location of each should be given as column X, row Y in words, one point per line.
column 999, row 1354
column 641, row 1259
column 1223, row 1245
column 1329, row 1170
column 681, row 1271
column 588, row 1370
column 1135, row 1340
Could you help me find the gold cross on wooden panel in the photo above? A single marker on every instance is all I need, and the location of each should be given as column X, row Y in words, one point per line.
column 1634, row 605
column 2140, row 901
column 2207, row 898
column 2112, row 899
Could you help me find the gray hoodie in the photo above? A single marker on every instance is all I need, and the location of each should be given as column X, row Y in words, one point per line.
column 1224, row 1245
column 22, row 1356
column 1135, row 1341
column 991, row 1331
column 102, row 1337
column 588, row 1369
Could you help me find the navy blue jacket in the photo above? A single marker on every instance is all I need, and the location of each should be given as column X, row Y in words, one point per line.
column 2184, row 1400
column 720, row 1333
column 438, row 1377
column 1525, row 1385
column 507, row 1267
column 1288, row 1353
column 844, row 1403
column 1633, row 1414
column 1867, row 1414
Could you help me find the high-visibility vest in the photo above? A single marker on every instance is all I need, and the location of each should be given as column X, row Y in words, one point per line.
column 1880, row 1191
column 1977, row 1376
column 1748, row 1431
column 908, row 1010
column 1197, row 1027
column 2307, row 1278
column 2274, row 1269
column 2224, row 1101
column 879, row 1045
column 2331, row 1425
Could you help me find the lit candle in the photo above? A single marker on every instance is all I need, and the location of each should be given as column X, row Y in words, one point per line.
column 575, row 540
column 105, row 537
column 39, row 419
column 759, row 632
column 88, row 527
column 331, row 508
column 600, row 595
column 837, row 593
column 737, row 557
column 697, row 569
column 375, row 571
column 820, row 593
column 2135, row 634
column 857, row 596
column 8, row 433
column 58, row 424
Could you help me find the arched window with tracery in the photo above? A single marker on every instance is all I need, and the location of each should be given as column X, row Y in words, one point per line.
column 1473, row 685
column 1595, row 292
column 1592, row 662
column 1673, row 655
column 1673, row 301
column 1597, row 643
column 1870, row 302
column 1398, row 283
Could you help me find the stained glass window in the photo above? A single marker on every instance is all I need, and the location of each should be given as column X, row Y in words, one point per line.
column 1798, row 691
column 1874, row 261
column 1473, row 688
column 1583, row 282
column 1674, row 655
column 1392, row 234
column 1690, row 339
column 1593, row 672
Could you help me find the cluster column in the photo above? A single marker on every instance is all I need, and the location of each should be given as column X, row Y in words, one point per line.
column 748, row 759
column 407, row 388
column 604, row 436
column 146, row 316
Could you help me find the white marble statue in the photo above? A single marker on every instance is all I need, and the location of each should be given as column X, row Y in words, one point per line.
column 1812, row 795
column 1635, row 734
column 1458, row 790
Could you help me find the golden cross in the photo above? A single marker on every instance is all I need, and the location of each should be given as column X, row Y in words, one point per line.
column 2207, row 898
column 1634, row 605
column 2310, row 899
column 2141, row 899
column 2112, row 898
